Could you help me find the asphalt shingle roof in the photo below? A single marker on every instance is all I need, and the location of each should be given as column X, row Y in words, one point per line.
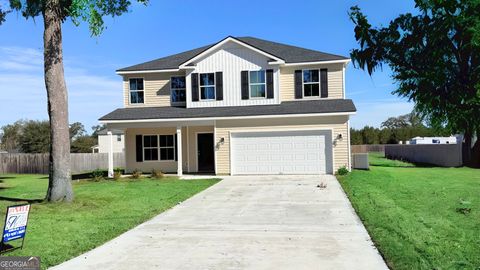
column 288, row 107
column 290, row 54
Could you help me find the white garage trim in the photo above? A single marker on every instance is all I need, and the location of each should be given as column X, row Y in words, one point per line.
column 328, row 143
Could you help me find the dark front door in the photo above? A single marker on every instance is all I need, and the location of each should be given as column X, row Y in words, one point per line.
column 205, row 154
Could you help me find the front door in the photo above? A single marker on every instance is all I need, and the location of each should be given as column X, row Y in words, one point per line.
column 205, row 155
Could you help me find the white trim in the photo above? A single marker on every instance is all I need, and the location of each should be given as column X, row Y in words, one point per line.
column 331, row 130
column 179, row 157
column 158, row 148
column 196, row 146
column 188, row 149
column 130, row 96
column 318, row 62
column 225, row 118
column 349, row 147
column 343, row 81
column 232, row 39
column 146, row 71
column 215, row 146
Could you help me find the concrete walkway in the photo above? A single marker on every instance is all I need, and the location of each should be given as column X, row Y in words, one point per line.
column 255, row 222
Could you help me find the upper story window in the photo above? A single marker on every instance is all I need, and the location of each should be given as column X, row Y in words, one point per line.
column 136, row 91
column 257, row 84
column 178, row 86
column 207, row 86
column 311, row 83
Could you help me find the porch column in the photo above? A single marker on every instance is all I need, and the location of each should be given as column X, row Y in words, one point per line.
column 110, row 154
column 179, row 151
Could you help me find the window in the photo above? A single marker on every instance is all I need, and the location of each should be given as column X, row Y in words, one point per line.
column 311, row 83
column 178, row 86
column 257, row 84
column 207, row 86
column 167, row 147
column 136, row 91
column 150, row 147
column 119, row 138
column 158, row 147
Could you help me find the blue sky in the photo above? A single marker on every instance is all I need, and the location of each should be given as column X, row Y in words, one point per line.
column 167, row 27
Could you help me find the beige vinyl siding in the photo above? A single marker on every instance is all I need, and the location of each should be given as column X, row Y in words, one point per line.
column 335, row 80
column 337, row 123
column 189, row 154
column 156, row 88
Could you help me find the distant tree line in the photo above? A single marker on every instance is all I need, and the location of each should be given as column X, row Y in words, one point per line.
column 33, row 136
column 396, row 129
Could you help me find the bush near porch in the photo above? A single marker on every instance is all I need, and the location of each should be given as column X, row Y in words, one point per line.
column 418, row 216
column 101, row 211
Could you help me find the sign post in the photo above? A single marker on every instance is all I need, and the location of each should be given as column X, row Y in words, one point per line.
column 15, row 226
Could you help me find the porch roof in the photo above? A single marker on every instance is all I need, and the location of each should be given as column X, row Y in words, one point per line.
column 326, row 106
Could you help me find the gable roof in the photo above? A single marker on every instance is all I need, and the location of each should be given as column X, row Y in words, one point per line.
column 288, row 53
column 325, row 106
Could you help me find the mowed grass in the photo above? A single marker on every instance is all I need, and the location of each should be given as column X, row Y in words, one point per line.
column 412, row 213
column 101, row 211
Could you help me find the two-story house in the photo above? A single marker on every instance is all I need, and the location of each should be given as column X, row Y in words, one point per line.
column 240, row 106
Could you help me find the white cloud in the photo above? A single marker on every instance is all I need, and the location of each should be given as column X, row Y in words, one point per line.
column 23, row 94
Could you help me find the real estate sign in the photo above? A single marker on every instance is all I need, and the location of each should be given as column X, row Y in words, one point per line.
column 15, row 222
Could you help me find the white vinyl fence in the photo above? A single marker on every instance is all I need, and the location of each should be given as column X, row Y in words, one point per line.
column 444, row 155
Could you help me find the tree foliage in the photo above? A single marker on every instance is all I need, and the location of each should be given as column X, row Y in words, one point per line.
column 89, row 11
column 434, row 56
column 394, row 130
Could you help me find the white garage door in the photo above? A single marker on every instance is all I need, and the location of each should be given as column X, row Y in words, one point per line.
column 292, row 152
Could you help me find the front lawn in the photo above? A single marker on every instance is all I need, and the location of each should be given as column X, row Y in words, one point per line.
column 413, row 213
column 100, row 211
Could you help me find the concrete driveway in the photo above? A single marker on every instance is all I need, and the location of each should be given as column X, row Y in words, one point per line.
column 254, row 222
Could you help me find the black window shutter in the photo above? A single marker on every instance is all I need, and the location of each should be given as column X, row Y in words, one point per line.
column 324, row 83
column 194, row 86
column 245, row 91
column 219, row 85
column 176, row 148
column 298, row 84
column 139, row 148
column 269, row 83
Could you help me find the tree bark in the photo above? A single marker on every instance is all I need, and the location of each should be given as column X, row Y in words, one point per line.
column 59, row 185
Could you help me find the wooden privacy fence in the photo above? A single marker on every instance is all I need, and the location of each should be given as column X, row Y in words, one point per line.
column 38, row 163
column 366, row 148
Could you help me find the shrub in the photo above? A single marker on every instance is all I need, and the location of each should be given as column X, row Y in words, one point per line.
column 157, row 174
column 342, row 171
column 97, row 175
column 117, row 173
column 136, row 174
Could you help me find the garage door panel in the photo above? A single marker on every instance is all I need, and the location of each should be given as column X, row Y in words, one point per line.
column 293, row 152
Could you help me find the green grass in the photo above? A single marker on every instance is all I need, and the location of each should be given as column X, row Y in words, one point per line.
column 100, row 211
column 411, row 213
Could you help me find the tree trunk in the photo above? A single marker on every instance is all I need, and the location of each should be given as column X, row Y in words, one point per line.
column 475, row 153
column 59, row 184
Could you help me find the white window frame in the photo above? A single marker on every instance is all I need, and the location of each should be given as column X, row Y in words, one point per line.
column 250, row 84
column 130, row 91
column 172, row 89
column 319, row 84
column 203, row 86
column 158, row 147
column 145, row 147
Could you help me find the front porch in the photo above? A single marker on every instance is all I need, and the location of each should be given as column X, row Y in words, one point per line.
column 171, row 147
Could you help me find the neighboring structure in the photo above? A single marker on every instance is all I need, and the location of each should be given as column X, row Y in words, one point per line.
column 118, row 141
column 239, row 106
column 434, row 140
